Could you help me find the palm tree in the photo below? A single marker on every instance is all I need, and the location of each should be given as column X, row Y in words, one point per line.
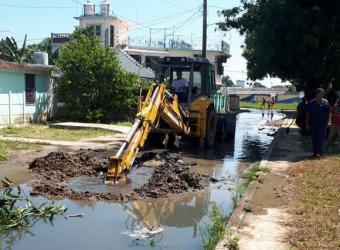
column 9, row 51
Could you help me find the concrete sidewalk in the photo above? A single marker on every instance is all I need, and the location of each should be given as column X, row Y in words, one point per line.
column 80, row 125
column 265, row 226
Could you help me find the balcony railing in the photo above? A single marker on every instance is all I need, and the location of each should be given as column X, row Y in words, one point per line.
column 60, row 37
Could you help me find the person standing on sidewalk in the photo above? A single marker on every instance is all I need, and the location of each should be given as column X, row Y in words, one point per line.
column 335, row 127
column 318, row 114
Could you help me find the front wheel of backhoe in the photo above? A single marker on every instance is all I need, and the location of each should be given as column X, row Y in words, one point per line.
column 210, row 133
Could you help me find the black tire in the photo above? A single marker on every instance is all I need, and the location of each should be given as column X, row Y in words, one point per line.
column 211, row 125
column 223, row 131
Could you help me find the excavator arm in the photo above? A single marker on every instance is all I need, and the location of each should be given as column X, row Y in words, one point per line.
column 159, row 103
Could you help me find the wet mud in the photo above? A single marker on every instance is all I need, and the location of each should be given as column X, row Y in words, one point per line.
column 171, row 175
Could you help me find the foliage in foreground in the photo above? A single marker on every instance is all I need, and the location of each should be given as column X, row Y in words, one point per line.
column 93, row 85
column 14, row 216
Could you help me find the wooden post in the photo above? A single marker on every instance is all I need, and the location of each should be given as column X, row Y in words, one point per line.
column 9, row 108
column 23, row 106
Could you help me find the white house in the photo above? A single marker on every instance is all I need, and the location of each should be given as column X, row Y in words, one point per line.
column 139, row 57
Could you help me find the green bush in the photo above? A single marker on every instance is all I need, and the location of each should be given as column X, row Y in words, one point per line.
column 93, row 85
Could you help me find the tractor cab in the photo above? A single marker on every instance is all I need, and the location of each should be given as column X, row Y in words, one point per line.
column 196, row 77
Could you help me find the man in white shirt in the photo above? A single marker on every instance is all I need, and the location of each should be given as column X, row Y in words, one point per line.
column 179, row 84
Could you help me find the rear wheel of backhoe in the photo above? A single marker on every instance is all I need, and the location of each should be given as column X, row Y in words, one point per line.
column 222, row 135
column 210, row 133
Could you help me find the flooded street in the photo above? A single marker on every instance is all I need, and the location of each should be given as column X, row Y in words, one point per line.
column 172, row 223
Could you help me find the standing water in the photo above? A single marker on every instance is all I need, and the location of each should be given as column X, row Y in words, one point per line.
column 176, row 222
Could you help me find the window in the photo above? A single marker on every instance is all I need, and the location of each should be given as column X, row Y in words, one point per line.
column 112, row 35
column 107, row 37
column 98, row 30
column 30, row 88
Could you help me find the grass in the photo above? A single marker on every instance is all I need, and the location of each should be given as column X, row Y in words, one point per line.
column 124, row 124
column 248, row 208
column 232, row 241
column 249, row 176
column 316, row 204
column 44, row 132
column 277, row 106
column 217, row 229
column 8, row 147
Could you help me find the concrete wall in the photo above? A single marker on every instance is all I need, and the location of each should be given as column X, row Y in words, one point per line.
column 13, row 107
column 121, row 28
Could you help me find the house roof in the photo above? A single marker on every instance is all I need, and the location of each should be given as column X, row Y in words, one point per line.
column 26, row 68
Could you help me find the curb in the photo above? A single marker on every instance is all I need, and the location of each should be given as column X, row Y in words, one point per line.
column 238, row 215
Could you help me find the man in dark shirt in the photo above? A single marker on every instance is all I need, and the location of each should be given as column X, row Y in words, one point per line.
column 318, row 114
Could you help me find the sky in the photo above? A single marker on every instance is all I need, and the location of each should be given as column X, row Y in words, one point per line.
column 39, row 18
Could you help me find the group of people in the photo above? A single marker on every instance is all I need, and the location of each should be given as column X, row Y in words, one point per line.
column 270, row 103
column 323, row 119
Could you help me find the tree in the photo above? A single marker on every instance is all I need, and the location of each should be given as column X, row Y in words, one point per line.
column 93, row 85
column 295, row 40
column 290, row 88
column 10, row 52
column 227, row 82
column 257, row 85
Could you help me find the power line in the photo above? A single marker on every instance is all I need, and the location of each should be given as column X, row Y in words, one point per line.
column 77, row 2
column 35, row 7
column 194, row 15
column 166, row 18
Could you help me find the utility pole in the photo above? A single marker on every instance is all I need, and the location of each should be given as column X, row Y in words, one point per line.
column 204, row 42
column 165, row 38
column 173, row 37
column 150, row 39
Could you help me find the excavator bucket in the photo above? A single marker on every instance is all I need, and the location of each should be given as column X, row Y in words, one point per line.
column 114, row 171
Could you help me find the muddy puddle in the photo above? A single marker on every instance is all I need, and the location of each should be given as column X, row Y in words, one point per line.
column 174, row 222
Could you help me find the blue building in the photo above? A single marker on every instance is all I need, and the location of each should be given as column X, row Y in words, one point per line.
column 26, row 92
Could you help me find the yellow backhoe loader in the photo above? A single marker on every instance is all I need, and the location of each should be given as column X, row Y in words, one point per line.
column 162, row 111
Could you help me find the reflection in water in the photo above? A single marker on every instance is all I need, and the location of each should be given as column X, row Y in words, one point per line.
column 253, row 149
column 179, row 211
column 10, row 238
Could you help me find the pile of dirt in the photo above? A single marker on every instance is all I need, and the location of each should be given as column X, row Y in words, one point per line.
column 62, row 166
column 55, row 170
column 171, row 175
